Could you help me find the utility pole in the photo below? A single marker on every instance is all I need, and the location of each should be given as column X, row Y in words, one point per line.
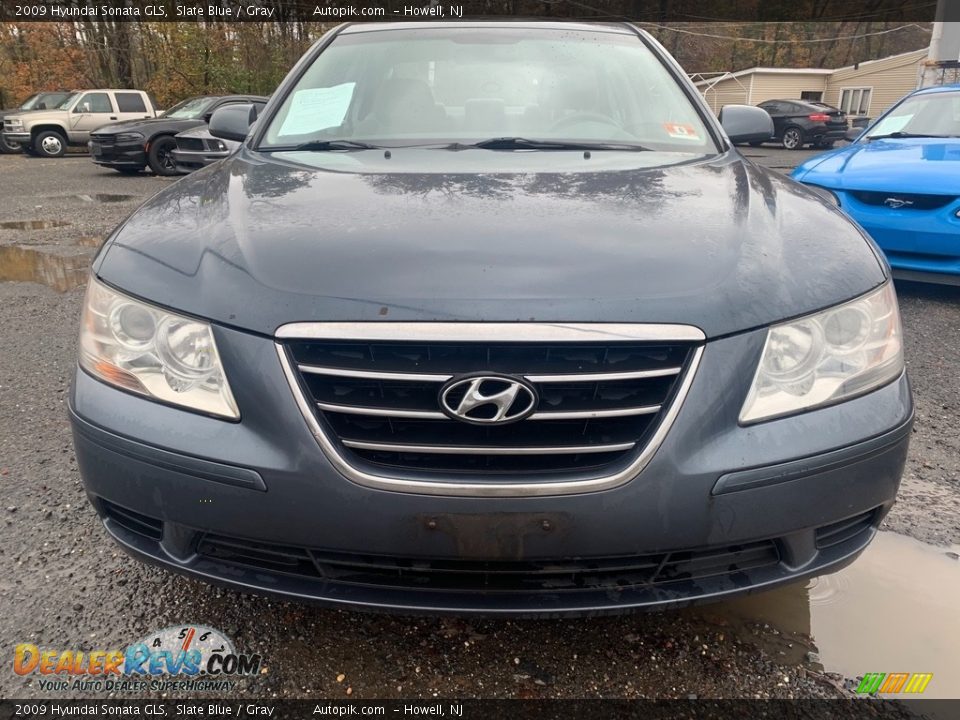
column 942, row 65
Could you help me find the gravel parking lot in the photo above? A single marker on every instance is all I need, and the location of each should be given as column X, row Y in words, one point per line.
column 66, row 585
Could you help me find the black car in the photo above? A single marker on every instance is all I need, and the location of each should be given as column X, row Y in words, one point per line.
column 800, row 122
column 132, row 145
column 491, row 317
column 38, row 101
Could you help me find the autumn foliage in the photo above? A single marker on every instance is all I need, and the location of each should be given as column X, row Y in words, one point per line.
column 174, row 60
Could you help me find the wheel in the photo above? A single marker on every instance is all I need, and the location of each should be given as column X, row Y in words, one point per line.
column 793, row 138
column 128, row 171
column 9, row 147
column 50, row 143
column 756, row 144
column 159, row 158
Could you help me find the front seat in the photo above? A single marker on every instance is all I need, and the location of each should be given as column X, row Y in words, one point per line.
column 403, row 105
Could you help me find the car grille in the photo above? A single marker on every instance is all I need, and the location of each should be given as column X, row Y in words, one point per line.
column 910, row 201
column 190, row 143
column 107, row 139
column 601, row 573
column 599, row 403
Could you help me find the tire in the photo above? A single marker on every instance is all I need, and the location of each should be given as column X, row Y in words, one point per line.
column 50, row 144
column 793, row 138
column 159, row 158
column 9, row 148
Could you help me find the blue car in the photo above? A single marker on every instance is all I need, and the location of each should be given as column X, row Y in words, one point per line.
column 901, row 181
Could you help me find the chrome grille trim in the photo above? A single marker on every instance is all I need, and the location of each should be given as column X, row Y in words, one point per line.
column 460, row 449
column 489, row 332
column 520, row 484
column 429, row 377
column 430, row 415
column 373, row 375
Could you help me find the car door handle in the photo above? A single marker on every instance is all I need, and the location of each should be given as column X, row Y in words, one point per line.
column 113, row 117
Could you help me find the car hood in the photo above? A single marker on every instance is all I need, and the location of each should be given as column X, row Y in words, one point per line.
column 259, row 241
column 148, row 125
column 918, row 165
column 38, row 115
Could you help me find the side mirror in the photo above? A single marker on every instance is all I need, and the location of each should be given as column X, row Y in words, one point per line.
column 41, row 106
column 207, row 116
column 853, row 133
column 745, row 123
column 232, row 122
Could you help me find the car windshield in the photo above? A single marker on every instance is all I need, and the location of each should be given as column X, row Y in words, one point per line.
column 30, row 102
column 933, row 114
column 461, row 86
column 191, row 109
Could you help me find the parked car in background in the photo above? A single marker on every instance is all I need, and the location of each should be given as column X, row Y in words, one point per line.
column 900, row 181
column 38, row 101
column 491, row 317
column 49, row 132
column 133, row 145
column 197, row 148
column 801, row 122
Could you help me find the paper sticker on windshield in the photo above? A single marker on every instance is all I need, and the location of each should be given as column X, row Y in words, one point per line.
column 681, row 131
column 315, row 109
column 892, row 124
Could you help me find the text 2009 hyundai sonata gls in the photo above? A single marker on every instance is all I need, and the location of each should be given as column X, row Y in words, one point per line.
column 491, row 318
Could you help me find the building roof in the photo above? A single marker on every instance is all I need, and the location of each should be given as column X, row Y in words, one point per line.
column 806, row 71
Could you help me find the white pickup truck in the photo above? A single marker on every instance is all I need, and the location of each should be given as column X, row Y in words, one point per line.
column 49, row 132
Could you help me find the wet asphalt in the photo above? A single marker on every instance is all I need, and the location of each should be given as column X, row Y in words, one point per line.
column 65, row 585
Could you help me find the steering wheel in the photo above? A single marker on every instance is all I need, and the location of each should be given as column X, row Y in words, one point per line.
column 580, row 117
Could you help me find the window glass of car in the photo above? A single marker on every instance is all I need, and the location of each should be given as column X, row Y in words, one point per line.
column 94, row 102
column 936, row 114
column 423, row 86
column 130, row 102
column 190, row 109
column 30, row 102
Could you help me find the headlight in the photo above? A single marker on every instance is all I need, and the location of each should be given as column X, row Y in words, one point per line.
column 216, row 145
column 129, row 137
column 828, row 195
column 828, row 357
column 14, row 123
column 154, row 352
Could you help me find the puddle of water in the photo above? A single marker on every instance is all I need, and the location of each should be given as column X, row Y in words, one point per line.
column 61, row 272
column 105, row 197
column 32, row 224
column 895, row 609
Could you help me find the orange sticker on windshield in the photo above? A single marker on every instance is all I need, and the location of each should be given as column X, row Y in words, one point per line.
column 681, row 131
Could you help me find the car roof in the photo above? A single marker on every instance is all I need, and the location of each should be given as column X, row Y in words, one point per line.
column 954, row 87
column 620, row 28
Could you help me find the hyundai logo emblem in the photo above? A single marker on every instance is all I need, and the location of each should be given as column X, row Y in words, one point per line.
column 488, row 399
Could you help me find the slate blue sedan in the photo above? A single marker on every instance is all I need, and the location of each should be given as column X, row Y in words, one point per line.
column 901, row 181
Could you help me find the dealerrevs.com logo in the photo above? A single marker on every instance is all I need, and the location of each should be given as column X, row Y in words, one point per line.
column 189, row 658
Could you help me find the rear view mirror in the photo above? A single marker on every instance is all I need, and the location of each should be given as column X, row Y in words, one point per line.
column 232, row 122
column 745, row 123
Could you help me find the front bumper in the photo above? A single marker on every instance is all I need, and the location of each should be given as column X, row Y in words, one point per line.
column 117, row 155
column 919, row 244
column 18, row 137
column 190, row 160
column 719, row 510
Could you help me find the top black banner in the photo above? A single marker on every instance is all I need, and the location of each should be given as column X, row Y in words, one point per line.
column 332, row 11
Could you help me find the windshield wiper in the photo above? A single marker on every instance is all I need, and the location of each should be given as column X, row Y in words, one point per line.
column 334, row 145
column 519, row 143
column 901, row 134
